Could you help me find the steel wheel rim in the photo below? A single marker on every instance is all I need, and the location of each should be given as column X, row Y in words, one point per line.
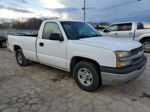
column 19, row 58
column 85, row 76
column 146, row 46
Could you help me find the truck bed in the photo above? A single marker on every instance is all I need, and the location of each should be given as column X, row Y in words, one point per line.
column 27, row 42
column 27, row 35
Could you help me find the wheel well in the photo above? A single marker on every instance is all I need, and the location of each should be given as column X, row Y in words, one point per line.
column 16, row 47
column 145, row 38
column 77, row 59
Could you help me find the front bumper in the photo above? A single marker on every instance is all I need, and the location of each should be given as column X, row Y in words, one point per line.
column 122, row 75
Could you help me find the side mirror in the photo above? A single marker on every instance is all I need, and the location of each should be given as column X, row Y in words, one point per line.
column 105, row 31
column 56, row 36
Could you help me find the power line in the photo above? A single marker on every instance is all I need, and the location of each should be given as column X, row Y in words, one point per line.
column 121, row 4
column 117, row 5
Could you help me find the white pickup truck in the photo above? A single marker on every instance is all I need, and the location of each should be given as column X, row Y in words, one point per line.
column 77, row 47
column 131, row 30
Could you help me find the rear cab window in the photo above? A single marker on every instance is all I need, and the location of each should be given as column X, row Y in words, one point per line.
column 140, row 26
column 144, row 25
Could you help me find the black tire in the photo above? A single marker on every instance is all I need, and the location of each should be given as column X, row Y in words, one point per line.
column 21, row 60
column 146, row 45
column 0, row 45
column 3, row 44
column 95, row 84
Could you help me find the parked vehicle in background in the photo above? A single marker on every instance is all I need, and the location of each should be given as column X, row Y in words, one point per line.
column 131, row 30
column 3, row 41
column 77, row 47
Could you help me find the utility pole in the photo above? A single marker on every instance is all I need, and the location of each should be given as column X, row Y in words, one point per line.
column 84, row 9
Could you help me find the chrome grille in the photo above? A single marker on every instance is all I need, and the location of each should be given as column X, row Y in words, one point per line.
column 137, row 50
column 137, row 60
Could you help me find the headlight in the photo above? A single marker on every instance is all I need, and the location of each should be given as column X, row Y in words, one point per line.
column 122, row 54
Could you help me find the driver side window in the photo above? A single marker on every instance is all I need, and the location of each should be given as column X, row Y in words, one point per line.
column 49, row 29
column 111, row 28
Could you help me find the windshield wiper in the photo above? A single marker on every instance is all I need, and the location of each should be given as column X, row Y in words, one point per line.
column 85, row 36
column 96, row 35
column 82, row 36
column 88, row 36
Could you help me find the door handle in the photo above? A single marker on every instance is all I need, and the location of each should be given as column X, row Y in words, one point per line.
column 41, row 44
column 130, row 33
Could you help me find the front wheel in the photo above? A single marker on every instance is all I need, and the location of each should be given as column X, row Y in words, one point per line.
column 146, row 45
column 87, row 76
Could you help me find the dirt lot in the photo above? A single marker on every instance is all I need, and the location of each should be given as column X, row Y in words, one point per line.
column 39, row 88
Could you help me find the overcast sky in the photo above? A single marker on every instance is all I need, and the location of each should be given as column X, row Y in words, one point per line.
column 97, row 10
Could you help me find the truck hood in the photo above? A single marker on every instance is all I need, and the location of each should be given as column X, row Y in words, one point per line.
column 110, row 43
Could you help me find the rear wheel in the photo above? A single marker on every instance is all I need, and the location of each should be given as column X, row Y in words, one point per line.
column 4, row 45
column 21, row 60
column 87, row 76
column 146, row 45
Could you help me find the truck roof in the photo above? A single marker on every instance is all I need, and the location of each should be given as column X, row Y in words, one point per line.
column 60, row 20
column 125, row 22
column 134, row 22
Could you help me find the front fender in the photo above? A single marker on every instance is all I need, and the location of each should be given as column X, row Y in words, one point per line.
column 102, row 56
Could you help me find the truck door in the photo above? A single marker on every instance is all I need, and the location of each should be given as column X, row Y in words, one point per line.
column 51, row 50
column 125, row 31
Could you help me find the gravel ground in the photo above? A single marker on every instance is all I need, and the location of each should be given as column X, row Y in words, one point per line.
column 39, row 88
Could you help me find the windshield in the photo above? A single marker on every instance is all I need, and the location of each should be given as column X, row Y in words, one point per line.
column 79, row 30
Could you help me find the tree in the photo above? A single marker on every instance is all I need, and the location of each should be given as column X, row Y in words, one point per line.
column 32, row 23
